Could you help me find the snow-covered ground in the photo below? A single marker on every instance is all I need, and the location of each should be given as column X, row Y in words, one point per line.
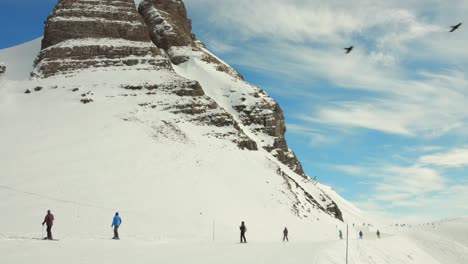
column 181, row 191
column 426, row 245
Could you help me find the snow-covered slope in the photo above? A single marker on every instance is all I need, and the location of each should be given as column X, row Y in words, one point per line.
column 171, row 177
column 446, row 241
column 18, row 60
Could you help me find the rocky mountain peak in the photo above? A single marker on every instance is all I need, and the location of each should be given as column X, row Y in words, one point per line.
column 170, row 23
column 93, row 34
column 167, row 72
column 73, row 19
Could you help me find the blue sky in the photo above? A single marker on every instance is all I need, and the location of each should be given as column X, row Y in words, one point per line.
column 386, row 125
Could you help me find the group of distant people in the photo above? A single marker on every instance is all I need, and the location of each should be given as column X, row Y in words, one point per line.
column 117, row 221
column 340, row 234
column 49, row 221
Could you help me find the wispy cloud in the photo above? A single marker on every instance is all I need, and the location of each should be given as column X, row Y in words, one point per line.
column 358, row 171
column 410, row 181
column 423, row 149
column 315, row 136
column 453, row 158
column 419, row 189
column 219, row 47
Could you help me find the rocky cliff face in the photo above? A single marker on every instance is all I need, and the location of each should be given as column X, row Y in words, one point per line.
column 170, row 23
column 171, row 30
column 96, row 33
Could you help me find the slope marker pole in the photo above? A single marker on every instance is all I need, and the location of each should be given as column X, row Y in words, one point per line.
column 347, row 243
column 213, row 230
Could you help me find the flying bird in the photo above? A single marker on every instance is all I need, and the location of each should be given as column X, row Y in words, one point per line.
column 455, row 27
column 348, row 50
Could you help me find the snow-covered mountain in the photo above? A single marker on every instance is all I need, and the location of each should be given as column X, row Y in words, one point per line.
column 129, row 111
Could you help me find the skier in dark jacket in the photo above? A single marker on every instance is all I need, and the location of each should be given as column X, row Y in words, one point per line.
column 49, row 221
column 340, row 234
column 116, row 223
column 378, row 233
column 243, row 229
column 285, row 234
column 360, row 234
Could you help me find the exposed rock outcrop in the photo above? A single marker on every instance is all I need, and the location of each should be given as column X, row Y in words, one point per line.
column 264, row 116
column 95, row 34
column 170, row 25
column 171, row 29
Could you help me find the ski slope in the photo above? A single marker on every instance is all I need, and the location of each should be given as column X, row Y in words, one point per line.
column 396, row 248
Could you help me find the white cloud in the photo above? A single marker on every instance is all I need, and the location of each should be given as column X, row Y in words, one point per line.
column 417, row 192
column 358, row 171
column 423, row 149
column 453, row 158
column 410, row 181
column 315, row 136
column 219, row 47
column 295, row 20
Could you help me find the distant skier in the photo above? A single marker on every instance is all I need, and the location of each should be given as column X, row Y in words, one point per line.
column 378, row 233
column 360, row 234
column 49, row 221
column 243, row 230
column 116, row 223
column 341, row 235
column 285, row 234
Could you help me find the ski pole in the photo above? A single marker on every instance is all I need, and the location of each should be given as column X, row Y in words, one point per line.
column 42, row 232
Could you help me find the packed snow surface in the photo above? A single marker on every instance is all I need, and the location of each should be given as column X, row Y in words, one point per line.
column 442, row 244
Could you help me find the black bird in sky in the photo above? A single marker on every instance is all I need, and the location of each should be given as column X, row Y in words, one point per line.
column 348, row 50
column 455, row 27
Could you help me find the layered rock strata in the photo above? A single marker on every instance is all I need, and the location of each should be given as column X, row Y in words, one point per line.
column 95, row 34
column 105, row 35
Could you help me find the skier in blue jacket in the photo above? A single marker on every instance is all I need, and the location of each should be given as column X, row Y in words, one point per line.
column 116, row 223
